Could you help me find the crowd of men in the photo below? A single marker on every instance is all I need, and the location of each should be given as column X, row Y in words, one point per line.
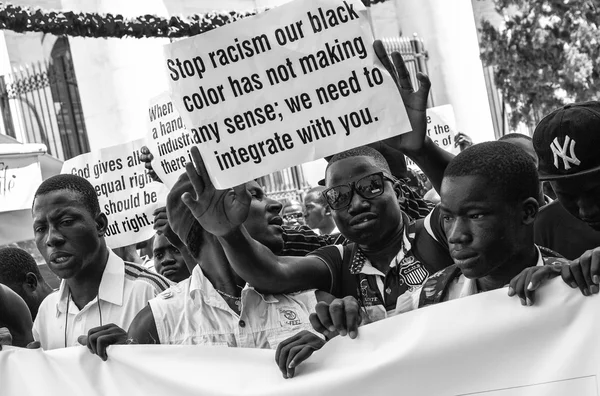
column 236, row 268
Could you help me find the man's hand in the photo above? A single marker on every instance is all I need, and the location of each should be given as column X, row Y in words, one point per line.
column 218, row 211
column 584, row 272
column 99, row 338
column 146, row 157
column 342, row 315
column 162, row 226
column 296, row 349
column 415, row 102
column 529, row 280
column 462, row 141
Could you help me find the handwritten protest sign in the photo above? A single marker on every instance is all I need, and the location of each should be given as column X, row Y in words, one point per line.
column 127, row 194
column 20, row 177
column 287, row 86
column 441, row 128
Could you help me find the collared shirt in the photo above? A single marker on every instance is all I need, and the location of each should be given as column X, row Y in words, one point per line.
column 125, row 289
column 460, row 287
column 194, row 313
column 353, row 274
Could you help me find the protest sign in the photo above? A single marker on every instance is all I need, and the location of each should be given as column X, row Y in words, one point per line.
column 167, row 139
column 487, row 344
column 290, row 85
column 127, row 194
column 20, row 177
column 441, row 128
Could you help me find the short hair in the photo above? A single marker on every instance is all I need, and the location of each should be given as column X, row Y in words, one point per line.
column 317, row 191
column 507, row 168
column 75, row 184
column 15, row 264
column 515, row 135
column 362, row 151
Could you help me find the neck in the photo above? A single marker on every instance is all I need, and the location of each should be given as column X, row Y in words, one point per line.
column 381, row 254
column 327, row 228
column 502, row 275
column 84, row 286
column 216, row 268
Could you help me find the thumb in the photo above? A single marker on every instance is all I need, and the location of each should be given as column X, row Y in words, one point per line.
column 34, row 345
column 83, row 340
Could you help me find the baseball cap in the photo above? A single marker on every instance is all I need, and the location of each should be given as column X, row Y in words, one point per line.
column 567, row 141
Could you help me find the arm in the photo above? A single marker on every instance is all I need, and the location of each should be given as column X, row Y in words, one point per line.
column 416, row 145
column 271, row 274
column 143, row 328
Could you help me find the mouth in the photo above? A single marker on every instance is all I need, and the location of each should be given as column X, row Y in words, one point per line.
column 276, row 221
column 363, row 220
column 464, row 259
column 60, row 258
column 168, row 272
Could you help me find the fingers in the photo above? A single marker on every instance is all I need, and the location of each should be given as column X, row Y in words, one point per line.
column 539, row 277
column 337, row 313
column 579, row 274
column 403, row 74
column 353, row 318
column 316, row 324
column 296, row 349
column 100, row 338
column 199, row 164
column 322, row 319
column 297, row 355
column 385, row 59
column 424, row 83
column 584, row 272
column 34, row 345
column 595, row 269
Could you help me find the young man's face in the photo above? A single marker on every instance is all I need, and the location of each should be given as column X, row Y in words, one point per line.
column 581, row 197
column 482, row 229
column 368, row 222
column 315, row 212
column 66, row 233
column 293, row 215
column 264, row 222
column 168, row 260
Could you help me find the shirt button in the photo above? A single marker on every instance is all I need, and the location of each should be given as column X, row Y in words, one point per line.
column 78, row 319
column 242, row 323
column 388, row 290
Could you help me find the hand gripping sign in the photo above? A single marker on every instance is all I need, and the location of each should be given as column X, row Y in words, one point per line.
column 290, row 85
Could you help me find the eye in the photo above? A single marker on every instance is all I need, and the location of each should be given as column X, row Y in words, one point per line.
column 446, row 217
column 476, row 216
column 66, row 222
column 159, row 256
column 39, row 229
column 176, row 251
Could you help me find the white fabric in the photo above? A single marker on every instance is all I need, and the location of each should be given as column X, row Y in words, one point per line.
column 459, row 288
column 192, row 312
column 121, row 298
column 483, row 345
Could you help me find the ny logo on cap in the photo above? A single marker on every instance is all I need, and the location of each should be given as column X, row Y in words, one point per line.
column 561, row 152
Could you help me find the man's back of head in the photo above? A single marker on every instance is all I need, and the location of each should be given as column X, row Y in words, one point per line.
column 19, row 271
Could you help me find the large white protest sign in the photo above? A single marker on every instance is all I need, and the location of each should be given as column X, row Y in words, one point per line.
column 487, row 344
column 441, row 128
column 20, row 176
column 127, row 194
column 290, row 85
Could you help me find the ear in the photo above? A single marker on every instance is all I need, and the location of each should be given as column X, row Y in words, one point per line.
column 31, row 282
column 101, row 224
column 399, row 193
column 530, row 209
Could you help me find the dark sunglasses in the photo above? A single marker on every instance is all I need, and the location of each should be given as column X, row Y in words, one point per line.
column 369, row 187
column 293, row 216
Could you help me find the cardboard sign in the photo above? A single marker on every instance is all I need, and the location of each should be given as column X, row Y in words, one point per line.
column 288, row 86
column 127, row 194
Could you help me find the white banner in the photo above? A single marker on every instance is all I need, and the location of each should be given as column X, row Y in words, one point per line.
column 127, row 194
column 486, row 344
column 288, row 86
column 20, row 176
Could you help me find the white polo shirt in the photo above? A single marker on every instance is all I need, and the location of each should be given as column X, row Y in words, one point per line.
column 193, row 313
column 125, row 289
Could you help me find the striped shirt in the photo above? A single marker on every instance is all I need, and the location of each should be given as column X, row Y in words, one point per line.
column 300, row 241
column 125, row 288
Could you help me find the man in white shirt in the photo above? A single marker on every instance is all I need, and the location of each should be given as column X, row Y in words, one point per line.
column 98, row 289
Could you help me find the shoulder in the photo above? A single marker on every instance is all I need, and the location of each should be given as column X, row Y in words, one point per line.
column 142, row 276
column 329, row 254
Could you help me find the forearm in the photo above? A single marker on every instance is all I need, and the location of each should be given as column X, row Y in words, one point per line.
column 253, row 261
column 432, row 160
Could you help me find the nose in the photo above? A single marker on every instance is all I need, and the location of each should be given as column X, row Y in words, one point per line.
column 458, row 232
column 358, row 204
column 273, row 206
column 168, row 259
column 588, row 207
column 54, row 238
